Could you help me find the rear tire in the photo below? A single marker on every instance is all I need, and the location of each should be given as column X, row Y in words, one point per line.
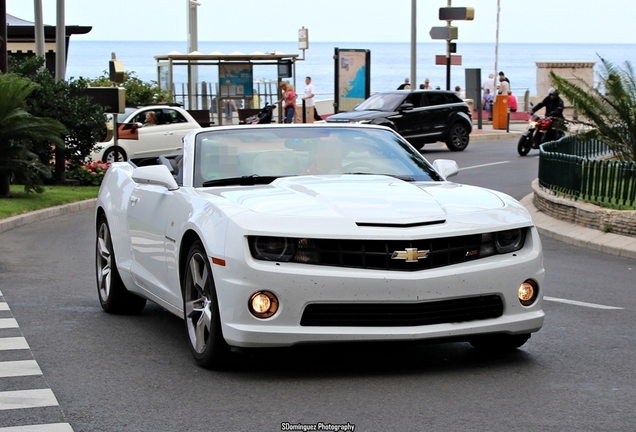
column 499, row 342
column 113, row 295
column 458, row 137
column 524, row 146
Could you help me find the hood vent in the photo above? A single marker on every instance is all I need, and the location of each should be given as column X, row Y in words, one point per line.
column 394, row 225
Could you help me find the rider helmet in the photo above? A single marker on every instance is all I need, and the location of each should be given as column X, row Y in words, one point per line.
column 553, row 91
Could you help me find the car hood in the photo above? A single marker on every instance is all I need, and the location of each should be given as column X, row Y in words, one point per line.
column 369, row 199
column 358, row 115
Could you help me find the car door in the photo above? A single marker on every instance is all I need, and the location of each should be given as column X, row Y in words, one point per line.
column 147, row 217
column 179, row 127
column 148, row 140
column 437, row 112
column 406, row 121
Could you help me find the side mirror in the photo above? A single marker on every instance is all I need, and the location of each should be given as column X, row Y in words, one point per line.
column 446, row 167
column 405, row 107
column 158, row 175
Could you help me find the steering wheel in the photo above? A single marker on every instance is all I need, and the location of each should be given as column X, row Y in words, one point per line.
column 357, row 165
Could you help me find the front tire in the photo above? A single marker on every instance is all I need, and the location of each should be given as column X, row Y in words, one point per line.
column 113, row 295
column 458, row 137
column 109, row 155
column 524, row 146
column 499, row 342
column 201, row 312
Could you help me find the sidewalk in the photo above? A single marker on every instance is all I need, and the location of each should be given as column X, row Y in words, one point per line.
column 487, row 133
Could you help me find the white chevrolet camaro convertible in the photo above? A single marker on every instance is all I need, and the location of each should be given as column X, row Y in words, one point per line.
column 277, row 235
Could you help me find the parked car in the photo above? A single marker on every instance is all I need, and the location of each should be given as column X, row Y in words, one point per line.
column 420, row 116
column 137, row 140
column 276, row 235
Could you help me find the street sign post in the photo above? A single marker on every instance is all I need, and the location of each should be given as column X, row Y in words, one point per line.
column 456, row 13
column 443, row 33
column 449, row 33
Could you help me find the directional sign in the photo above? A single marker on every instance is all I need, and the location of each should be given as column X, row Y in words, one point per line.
column 446, row 33
column 456, row 60
column 456, row 13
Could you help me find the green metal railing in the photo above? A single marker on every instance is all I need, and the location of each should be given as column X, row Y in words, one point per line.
column 574, row 166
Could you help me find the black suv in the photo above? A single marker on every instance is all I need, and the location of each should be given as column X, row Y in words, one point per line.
column 420, row 116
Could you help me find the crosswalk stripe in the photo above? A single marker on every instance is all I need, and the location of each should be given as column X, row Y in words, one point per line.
column 19, row 368
column 52, row 427
column 6, row 323
column 27, row 399
column 4, row 306
column 13, row 343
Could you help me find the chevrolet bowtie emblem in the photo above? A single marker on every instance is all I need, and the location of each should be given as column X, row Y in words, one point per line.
column 410, row 254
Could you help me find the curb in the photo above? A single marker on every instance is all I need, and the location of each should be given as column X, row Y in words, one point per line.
column 576, row 235
column 38, row 215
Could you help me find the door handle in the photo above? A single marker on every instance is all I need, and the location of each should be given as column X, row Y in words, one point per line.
column 169, row 133
column 134, row 200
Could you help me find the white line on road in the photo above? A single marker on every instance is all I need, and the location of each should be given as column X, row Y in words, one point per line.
column 8, row 323
column 19, row 368
column 484, row 165
column 51, row 427
column 27, row 399
column 13, row 343
column 579, row 303
column 4, row 306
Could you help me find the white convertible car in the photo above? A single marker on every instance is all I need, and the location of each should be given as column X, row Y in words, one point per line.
column 276, row 235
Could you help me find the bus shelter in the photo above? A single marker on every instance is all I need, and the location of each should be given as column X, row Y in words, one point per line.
column 216, row 81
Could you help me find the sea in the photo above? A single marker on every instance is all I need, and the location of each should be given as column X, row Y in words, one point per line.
column 390, row 62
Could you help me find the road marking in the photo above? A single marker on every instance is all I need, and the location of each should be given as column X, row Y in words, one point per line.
column 27, row 399
column 19, row 368
column 13, row 343
column 53, row 427
column 4, row 306
column 6, row 323
column 484, row 165
column 579, row 303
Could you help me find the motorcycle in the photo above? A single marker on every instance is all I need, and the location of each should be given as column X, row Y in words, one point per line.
column 263, row 117
column 540, row 130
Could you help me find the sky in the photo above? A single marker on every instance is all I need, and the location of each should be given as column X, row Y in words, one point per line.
column 538, row 21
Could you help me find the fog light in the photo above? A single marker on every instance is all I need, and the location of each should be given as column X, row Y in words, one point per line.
column 263, row 304
column 528, row 292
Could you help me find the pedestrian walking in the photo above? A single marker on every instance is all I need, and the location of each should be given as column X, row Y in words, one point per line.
column 308, row 97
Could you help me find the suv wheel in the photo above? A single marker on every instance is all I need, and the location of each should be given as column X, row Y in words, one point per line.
column 458, row 137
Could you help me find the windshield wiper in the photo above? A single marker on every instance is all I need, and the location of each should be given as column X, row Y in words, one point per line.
column 249, row 180
column 399, row 177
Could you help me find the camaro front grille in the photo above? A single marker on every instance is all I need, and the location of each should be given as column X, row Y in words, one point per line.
column 378, row 254
column 402, row 314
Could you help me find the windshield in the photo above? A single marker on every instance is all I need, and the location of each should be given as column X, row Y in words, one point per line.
column 382, row 102
column 253, row 155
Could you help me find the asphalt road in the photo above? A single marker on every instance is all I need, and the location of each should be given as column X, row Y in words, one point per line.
column 135, row 373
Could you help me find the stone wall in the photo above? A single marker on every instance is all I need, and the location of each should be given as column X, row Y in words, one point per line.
column 622, row 222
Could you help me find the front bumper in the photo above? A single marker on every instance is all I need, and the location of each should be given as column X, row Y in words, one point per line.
column 298, row 285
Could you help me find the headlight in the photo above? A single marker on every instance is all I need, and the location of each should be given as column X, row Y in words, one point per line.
column 283, row 249
column 502, row 242
column 272, row 248
column 509, row 241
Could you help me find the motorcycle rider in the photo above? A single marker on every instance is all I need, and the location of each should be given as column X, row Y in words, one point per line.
column 553, row 107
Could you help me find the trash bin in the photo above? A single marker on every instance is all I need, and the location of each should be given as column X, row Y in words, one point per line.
column 500, row 112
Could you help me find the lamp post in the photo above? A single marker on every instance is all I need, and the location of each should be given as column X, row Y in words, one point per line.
column 193, row 45
column 413, row 44
column 60, row 42
column 497, row 42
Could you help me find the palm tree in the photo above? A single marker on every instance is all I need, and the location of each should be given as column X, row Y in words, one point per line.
column 18, row 131
column 609, row 110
